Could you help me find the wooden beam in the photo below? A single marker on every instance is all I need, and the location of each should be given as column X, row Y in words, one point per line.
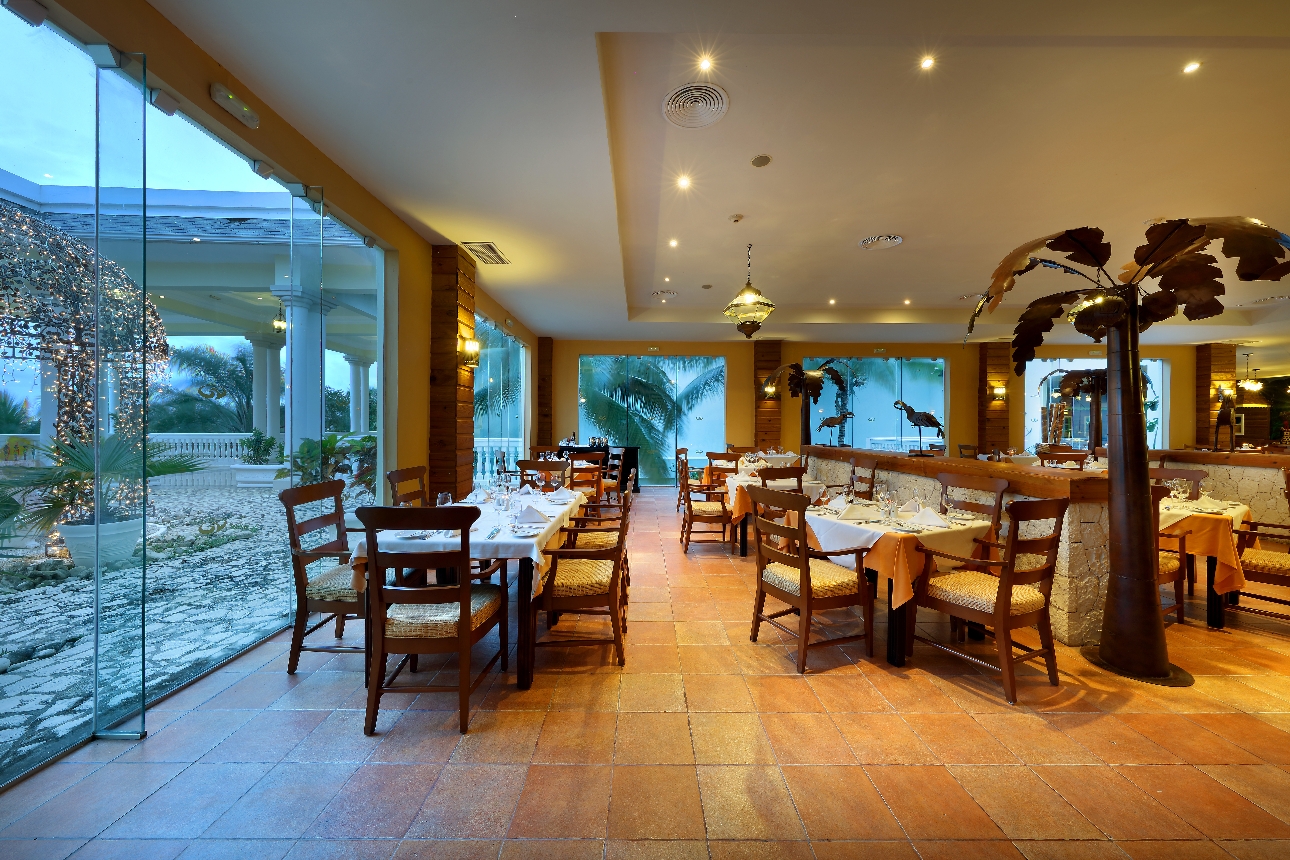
column 767, row 355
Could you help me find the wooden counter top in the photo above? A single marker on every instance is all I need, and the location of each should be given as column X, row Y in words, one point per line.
column 1035, row 481
column 1251, row 459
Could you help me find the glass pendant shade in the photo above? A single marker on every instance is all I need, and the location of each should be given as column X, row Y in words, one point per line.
column 750, row 308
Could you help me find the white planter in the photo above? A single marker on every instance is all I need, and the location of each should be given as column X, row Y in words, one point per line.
column 280, row 484
column 116, row 541
column 248, row 475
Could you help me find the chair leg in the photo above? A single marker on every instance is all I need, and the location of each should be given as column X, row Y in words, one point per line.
column 1191, row 576
column 340, row 625
column 616, row 622
column 375, row 680
column 1046, row 640
column 463, row 682
column 1003, row 639
column 298, row 637
column 412, row 663
column 759, row 606
column 868, row 616
column 803, row 638
column 503, row 623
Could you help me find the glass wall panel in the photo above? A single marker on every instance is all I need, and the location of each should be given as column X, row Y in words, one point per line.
column 1050, row 418
column 866, row 402
column 658, row 403
column 499, row 399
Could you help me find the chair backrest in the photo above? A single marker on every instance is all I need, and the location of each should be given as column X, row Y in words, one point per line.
column 1159, row 492
column 683, row 480
column 721, row 464
column 587, row 471
column 292, row 498
column 782, row 473
column 1192, row 476
column 542, row 474
column 457, row 518
column 779, row 528
column 405, row 476
column 1061, row 457
column 973, row 483
column 1021, row 543
column 864, row 472
column 967, row 452
column 545, row 452
column 740, row 449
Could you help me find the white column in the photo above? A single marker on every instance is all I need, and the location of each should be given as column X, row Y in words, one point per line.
column 359, row 414
column 259, row 380
column 273, row 389
column 304, row 313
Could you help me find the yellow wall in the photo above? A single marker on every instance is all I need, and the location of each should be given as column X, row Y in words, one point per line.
column 961, row 364
column 177, row 65
column 739, row 379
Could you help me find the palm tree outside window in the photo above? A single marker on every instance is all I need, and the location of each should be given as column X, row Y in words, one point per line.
column 872, row 386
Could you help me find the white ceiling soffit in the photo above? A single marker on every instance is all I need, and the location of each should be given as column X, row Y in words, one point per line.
column 540, row 128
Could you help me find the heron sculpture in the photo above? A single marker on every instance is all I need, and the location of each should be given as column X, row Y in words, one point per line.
column 836, row 421
column 921, row 420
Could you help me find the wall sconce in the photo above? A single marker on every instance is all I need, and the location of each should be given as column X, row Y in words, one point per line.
column 768, row 390
column 1000, row 392
column 470, row 353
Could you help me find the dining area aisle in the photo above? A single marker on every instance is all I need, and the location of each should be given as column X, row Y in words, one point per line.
column 704, row 745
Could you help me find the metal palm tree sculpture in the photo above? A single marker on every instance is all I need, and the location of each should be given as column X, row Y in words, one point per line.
column 1118, row 309
column 808, row 385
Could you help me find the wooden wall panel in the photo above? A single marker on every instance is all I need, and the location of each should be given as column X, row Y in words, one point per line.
column 545, row 395
column 766, row 357
column 1215, row 368
column 451, row 438
column 995, row 369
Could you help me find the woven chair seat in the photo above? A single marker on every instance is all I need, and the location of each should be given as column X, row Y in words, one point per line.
column 336, row 584
column 596, row 540
column 707, row 509
column 1169, row 563
column 827, row 579
column 439, row 620
column 1029, row 561
column 1266, row 561
column 978, row 591
column 581, row 577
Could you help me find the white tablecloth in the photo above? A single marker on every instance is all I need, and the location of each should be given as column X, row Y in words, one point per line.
column 775, row 460
column 833, row 533
column 1175, row 510
column 813, row 489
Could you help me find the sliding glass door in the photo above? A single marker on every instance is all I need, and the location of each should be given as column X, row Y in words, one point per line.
column 864, row 410
column 657, row 403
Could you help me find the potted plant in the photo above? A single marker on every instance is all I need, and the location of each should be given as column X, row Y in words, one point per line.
column 316, row 460
column 261, row 456
column 64, row 497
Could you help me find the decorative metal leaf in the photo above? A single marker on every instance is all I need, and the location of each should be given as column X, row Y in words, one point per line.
column 1036, row 321
column 1203, row 310
column 1156, row 307
column 1083, row 245
column 1165, row 240
column 1260, row 250
column 1016, row 263
column 976, row 312
column 1053, row 264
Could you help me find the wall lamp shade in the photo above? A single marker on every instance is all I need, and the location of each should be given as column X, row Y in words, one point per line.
column 470, row 353
column 1000, row 392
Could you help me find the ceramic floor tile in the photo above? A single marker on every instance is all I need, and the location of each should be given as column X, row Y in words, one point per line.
column 929, row 804
column 806, row 739
column 958, row 739
column 840, row 803
column 192, row 801
column 883, row 739
column 90, row 805
column 655, row 802
column 474, row 801
column 747, row 802
column 1264, row 785
column 378, row 802
column 1034, row 740
column 653, row 738
column 1206, row 804
column 1113, row 804
column 1111, row 739
column 563, row 801
column 1022, row 804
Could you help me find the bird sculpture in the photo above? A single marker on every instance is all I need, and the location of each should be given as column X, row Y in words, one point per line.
column 920, row 420
column 836, row 421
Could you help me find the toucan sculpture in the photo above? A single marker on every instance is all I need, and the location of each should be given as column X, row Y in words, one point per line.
column 920, row 420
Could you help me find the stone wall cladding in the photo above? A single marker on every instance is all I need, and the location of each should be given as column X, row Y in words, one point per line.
column 1264, row 490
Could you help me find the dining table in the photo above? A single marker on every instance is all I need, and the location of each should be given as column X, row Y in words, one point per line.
column 1210, row 526
column 741, row 503
column 496, row 535
column 895, row 554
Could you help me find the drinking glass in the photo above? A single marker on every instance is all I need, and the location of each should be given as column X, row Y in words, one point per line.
column 444, row 500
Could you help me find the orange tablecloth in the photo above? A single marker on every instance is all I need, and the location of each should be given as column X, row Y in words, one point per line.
column 894, row 556
column 1211, row 537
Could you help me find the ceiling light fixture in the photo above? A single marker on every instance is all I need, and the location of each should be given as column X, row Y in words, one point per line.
column 683, row 181
column 672, row 243
column 1250, row 383
column 879, row 243
column 906, row 301
column 927, row 62
column 750, row 308
column 1193, row 66
column 705, row 64
column 280, row 321
column 667, row 280
column 833, row 301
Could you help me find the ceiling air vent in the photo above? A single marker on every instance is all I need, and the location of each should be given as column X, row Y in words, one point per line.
column 695, row 105
column 486, row 252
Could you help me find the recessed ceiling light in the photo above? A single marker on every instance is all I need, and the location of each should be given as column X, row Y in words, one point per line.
column 927, row 62
column 761, row 160
column 667, row 279
column 877, row 243
column 705, row 63
column 259, row 298
column 683, row 181
column 672, row 243
column 1193, row 66
column 833, row 301
column 906, row 301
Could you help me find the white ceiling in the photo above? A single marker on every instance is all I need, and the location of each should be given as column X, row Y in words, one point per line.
column 538, row 126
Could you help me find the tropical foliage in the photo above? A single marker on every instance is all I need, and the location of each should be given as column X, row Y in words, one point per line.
column 336, row 410
column 14, row 417
column 259, row 449
column 216, row 399
column 334, row 456
column 634, row 400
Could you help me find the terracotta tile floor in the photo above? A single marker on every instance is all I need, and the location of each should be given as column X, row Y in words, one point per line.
column 705, row 745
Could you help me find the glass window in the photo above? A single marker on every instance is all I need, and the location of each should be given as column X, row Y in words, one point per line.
column 866, row 404
column 658, row 403
column 499, row 400
column 1050, row 418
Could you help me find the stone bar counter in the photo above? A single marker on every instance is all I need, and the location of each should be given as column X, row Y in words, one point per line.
column 1079, row 587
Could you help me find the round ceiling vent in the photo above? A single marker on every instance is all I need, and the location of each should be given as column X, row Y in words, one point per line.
column 761, row 160
column 695, row 105
column 877, row 243
column 664, row 294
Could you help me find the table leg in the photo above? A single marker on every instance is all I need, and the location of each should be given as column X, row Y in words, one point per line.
column 896, row 630
column 1213, row 600
column 1234, row 598
column 524, row 648
column 743, row 537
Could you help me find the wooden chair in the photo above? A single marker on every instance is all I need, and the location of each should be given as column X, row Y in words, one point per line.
column 992, row 510
column 587, row 473
column 1265, row 565
column 1060, row 458
column 702, row 511
column 1193, row 476
column 722, row 466
column 804, row 578
column 864, row 473
column 330, row 592
column 1173, row 564
column 782, row 473
column 434, row 619
column 967, row 452
column 1024, row 580
column 612, row 482
column 543, row 474
column 587, row 580
column 740, row 449
column 681, row 453
column 412, row 496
